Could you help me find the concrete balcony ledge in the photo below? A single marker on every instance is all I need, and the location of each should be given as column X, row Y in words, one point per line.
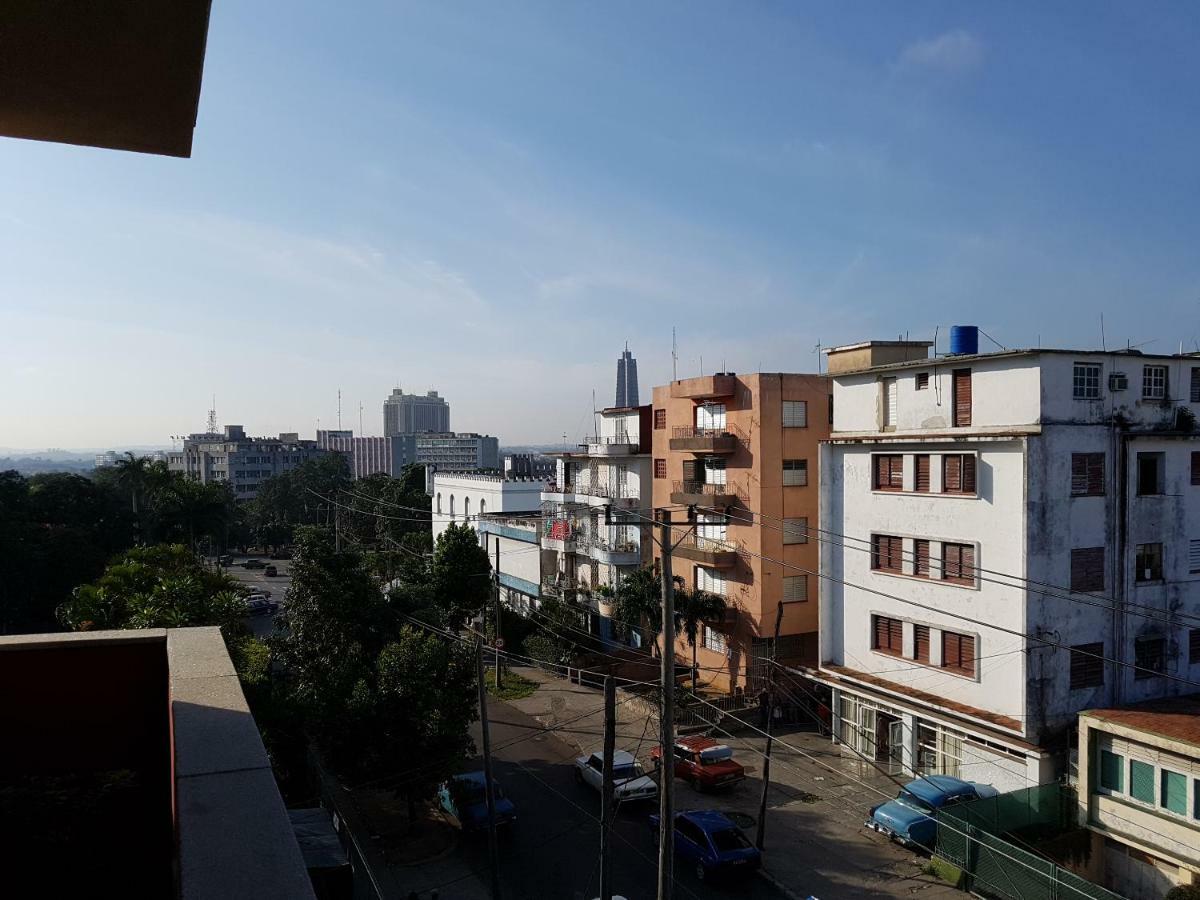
column 709, row 554
column 566, row 545
column 706, row 443
column 616, row 557
column 698, row 493
column 607, row 449
column 705, row 387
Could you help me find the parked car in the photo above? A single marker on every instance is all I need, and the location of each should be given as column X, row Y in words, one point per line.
column 270, row 571
column 705, row 762
column 254, row 564
column 911, row 818
column 225, row 559
column 465, row 797
column 712, row 843
column 258, row 605
column 630, row 781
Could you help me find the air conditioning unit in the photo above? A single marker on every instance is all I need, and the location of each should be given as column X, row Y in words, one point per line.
column 1118, row 381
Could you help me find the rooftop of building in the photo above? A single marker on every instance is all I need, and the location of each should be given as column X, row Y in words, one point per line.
column 1174, row 718
column 956, row 358
column 496, row 477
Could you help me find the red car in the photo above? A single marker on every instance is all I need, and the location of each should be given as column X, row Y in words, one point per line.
column 704, row 762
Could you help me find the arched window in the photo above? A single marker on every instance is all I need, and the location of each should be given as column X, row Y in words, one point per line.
column 482, row 507
column 451, row 507
column 439, row 504
column 466, row 507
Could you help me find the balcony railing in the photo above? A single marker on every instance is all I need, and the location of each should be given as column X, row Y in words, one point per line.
column 703, row 489
column 693, row 431
column 719, row 553
column 622, row 438
column 559, row 530
column 706, row 440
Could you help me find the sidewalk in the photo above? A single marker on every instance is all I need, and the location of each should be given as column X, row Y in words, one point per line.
column 815, row 840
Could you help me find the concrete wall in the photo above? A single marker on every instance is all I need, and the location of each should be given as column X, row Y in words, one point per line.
column 483, row 494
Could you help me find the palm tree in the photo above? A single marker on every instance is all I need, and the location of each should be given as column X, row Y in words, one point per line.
column 639, row 599
column 693, row 608
column 133, row 474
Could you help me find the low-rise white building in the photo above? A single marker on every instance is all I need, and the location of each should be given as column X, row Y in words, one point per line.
column 1007, row 538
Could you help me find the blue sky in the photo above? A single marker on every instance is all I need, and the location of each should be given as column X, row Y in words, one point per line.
column 490, row 199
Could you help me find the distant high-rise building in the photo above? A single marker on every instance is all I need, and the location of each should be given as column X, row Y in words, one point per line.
column 413, row 413
column 627, row 388
column 372, row 455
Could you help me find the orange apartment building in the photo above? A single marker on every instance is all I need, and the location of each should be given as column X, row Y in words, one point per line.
column 735, row 456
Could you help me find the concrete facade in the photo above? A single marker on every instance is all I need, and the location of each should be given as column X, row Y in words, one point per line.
column 465, row 497
column 244, row 462
column 1004, row 714
column 372, row 455
column 738, row 454
column 461, row 452
column 414, row 413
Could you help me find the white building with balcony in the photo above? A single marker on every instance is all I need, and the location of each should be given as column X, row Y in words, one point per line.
column 588, row 521
column 1008, row 538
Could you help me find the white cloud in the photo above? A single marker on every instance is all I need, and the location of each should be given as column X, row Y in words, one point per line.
column 954, row 51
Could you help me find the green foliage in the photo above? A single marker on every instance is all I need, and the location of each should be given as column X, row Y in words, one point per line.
column 512, row 687
column 639, row 600
column 460, row 575
column 1183, row 892
column 164, row 586
column 304, row 495
column 251, row 658
column 944, row 870
column 545, row 648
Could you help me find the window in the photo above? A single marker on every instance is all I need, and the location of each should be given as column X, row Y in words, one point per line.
column 1195, row 395
column 1149, row 655
column 660, row 468
column 795, row 472
column 890, row 402
column 958, row 563
column 482, row 507
column 1141, row 781
column 1148, row 562
column 921, row 558
column 795, row 588
column 1154, row 382
column 1087, row 474
column 451, row 506
column 1087, row 569
column 1087, row 666
column 714, row 470
column 714, row 640
column 1112, row 771
column 962, row 398
column 467, row 507
column 921, row 643
column 1196, row 468
column 795, row 531
column 1193, row 557
column 887, row 553
column 958, row 473
column 958, row 652
column 1150, row 470
column 795, row 413
column 889, row 472
column 921, row 475
column 660, row 419
column 887, row 635
column 1087, row 381
column 1193, row 646
column 710, row 580
column 1172, row 792
column 710, row 417
column 922, row 381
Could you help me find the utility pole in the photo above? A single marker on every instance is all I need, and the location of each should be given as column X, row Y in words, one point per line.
column 496, row 600
column 493, row 854
column 606, row 794
column 337, row 530
column 766, row 779
column 666, row 787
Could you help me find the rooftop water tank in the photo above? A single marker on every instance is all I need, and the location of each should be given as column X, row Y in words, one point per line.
column 964, row 340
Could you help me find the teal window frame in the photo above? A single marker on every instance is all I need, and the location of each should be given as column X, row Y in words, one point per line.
column 1141, row 777
column 1173, row 791
column 1112, row 769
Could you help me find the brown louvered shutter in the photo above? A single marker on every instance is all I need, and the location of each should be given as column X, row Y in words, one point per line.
column 881, row 469
column 962, row 397
column 921, row 643
column 1087, row 569
column 952, row 474
column 881, row 632
column 968, row 654
column 691, row 470
column 895, row 636
column 968, row 563
column 1079, row 473
column 968, row 474
column 921, row 479
column 921, row 552
column 951, row 649
column 1196, row 468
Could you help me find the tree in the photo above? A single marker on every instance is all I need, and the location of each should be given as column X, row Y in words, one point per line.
column 161, row 586
column 460, row 575
column 693, row 608
column 132, row 474
column 639, row 599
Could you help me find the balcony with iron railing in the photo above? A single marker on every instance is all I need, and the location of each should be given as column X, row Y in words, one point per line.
column 716, row 553
column 559, row 534
column 621, row 444
column 694, row 493
column 725, row 439
column 619, row 549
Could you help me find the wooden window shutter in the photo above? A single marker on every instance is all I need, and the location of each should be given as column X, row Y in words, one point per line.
column 1087, row 666
column 1079, row 473
column 921, row 643
column 921, row 553
column 1196, row 468
column 881, row 632
column 1087, row 569
column 895, row 635
column 951, row 649
column 968, row 474
column 691, row 470
column 1195, row 384
column 952, row 474
column 968, row 654
column 881, row 471
column 962, row 397
column 921, row 481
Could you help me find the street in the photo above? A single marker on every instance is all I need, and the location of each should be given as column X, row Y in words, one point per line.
column 263, row 625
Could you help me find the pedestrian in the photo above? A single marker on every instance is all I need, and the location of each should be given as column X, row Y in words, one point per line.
column 764, row 701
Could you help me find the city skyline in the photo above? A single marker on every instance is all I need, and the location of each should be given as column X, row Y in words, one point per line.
column 495, row 195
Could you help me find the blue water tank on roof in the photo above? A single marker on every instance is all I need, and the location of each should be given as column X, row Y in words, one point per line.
column 964, row 339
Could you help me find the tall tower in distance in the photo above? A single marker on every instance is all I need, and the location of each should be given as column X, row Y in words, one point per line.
column 627, row 387
column 414, row 413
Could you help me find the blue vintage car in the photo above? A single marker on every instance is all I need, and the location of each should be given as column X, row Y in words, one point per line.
column 711, row 842
column 465, row 797
column 912, row 817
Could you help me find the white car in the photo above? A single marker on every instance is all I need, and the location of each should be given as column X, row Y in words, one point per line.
column 630, row 781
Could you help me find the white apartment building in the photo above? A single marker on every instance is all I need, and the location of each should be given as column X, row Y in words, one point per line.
column 242, row 461
column 588, row 521
column 996, row 529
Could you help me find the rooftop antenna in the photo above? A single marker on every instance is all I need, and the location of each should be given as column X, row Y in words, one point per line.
column 701, row 364
column 360, row 427
column 1103, row 346
column 817, row 350
column 212, row 416
column 339, row 409
column 674, row 356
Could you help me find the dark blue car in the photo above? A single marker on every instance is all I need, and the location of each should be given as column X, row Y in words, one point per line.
column 712, row 843
column 465, row 797
column 912, row 817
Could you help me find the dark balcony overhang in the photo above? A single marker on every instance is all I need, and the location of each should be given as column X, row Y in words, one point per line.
column 705, row 387
column 713, row 557
column 695, row 493
column 698, row 440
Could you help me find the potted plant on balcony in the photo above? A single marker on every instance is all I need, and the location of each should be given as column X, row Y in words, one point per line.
column 606, row 600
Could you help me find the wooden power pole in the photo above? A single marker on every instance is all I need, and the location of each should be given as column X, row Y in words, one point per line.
column 496, row 600
column 489, row 784
column 607, row 810
column 766, row 779
column 666, row 786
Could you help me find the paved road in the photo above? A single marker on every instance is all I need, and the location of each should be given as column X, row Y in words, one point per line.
column 264, row 625
column 553, row 849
